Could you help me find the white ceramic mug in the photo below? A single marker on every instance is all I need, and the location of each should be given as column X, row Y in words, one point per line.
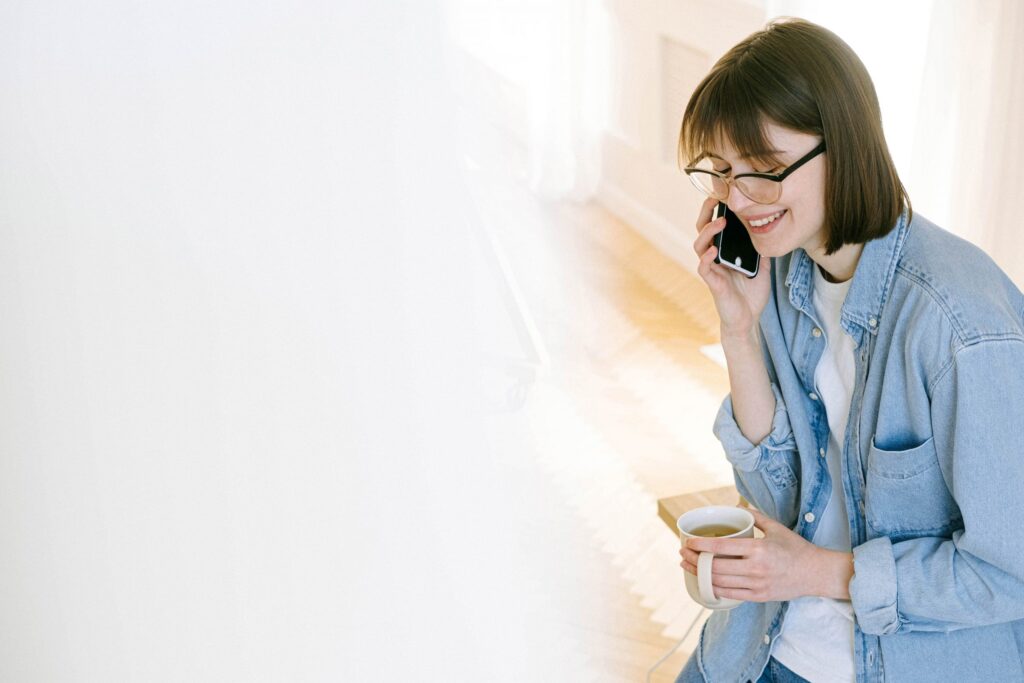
column 699, row 587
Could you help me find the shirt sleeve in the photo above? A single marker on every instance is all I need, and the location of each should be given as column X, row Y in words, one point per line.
column 744, row 455
column 976, row 577
column 765, row 472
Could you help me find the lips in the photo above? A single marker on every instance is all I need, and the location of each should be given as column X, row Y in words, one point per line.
column 760, row 230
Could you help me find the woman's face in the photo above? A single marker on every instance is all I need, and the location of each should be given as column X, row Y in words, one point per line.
column 798, row 216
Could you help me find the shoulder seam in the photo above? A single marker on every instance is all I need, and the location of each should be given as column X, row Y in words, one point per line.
column 991, row 338
column 961, row 337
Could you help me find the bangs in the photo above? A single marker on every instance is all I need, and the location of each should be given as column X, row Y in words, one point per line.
column 724, row 108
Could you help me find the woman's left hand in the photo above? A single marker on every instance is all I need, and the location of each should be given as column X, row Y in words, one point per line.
column 781, row 566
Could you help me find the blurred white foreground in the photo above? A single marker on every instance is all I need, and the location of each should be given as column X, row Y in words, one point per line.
column 239, row 434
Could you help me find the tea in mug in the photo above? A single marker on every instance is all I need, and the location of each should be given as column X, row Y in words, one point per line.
column 715, row 530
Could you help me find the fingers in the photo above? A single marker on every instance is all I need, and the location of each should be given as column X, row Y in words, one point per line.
column 734, row 586
column 705, row 212
column 732, row 581
column 737, row 547
column 703, row 246
column 743, row 594
column 707, row 235
column 707, row 262
column 721, row 565
column 689, row 561
column 724, row 581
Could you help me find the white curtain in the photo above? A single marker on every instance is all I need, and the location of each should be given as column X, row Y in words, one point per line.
column 569, row 102
column 555, row 56
column 967, row 166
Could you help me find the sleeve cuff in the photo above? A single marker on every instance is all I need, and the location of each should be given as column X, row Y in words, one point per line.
column 873, row 587
column 744, row 455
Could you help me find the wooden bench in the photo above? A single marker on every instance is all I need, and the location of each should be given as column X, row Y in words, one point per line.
column 670, row 509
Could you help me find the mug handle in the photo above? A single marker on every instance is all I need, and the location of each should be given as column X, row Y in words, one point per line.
column 707, row 593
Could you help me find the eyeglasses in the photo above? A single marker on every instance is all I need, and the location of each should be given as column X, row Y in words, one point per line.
column 763, row 188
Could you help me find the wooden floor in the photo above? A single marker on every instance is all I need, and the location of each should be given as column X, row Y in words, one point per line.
column 620, row 417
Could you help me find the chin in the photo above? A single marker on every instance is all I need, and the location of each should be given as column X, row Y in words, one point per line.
column 772, row 246
column 767, row 251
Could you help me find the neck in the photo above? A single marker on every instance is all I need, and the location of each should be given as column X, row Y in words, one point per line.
column 840, row 266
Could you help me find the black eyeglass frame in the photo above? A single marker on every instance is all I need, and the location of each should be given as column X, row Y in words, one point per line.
column 774, row 177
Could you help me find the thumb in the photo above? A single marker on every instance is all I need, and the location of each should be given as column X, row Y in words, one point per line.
column 763, row 521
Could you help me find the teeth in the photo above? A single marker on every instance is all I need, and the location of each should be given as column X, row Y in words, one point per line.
column 766, row 221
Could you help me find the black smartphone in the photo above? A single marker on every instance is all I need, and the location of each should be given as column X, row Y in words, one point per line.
column 735, row 250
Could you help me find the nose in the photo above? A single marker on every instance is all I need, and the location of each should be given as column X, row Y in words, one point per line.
column 737, row 201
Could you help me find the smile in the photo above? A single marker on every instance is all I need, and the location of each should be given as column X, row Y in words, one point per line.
column 763, row 225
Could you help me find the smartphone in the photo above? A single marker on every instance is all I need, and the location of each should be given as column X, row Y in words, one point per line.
column 735, row 250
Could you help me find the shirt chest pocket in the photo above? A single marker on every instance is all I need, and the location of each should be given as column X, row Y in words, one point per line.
column 906, row 495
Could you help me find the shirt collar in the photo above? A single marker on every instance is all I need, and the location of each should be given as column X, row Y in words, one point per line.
column 872, row 280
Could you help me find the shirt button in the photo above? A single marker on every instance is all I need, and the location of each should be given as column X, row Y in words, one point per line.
column 814, row 396
column 809, row 517
column 816, row 332
column 871, row 657
column 767, row 639
column 873, row 322
column 821, row 452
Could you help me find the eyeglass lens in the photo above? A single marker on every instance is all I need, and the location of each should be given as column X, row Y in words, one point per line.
column 760, row 190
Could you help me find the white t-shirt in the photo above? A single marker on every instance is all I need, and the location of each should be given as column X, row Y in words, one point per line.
column 817, row 637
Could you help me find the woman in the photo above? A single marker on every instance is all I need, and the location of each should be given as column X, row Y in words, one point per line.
column 876, row 365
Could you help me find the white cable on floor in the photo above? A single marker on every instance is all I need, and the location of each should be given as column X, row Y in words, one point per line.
column 650, row 672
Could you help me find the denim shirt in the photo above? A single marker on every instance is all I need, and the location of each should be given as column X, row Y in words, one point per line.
column 933, row 467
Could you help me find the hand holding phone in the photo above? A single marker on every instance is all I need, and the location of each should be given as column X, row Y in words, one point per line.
column 735, row 250
column 740, row 301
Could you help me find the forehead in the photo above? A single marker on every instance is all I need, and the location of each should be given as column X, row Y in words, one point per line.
column 780, row 143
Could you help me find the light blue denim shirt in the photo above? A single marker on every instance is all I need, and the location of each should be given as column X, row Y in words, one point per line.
column 933, row 463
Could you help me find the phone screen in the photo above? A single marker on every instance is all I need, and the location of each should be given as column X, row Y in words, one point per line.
column 735, row 250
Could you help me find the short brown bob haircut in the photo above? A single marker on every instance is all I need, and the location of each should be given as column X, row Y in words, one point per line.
column 801, row 76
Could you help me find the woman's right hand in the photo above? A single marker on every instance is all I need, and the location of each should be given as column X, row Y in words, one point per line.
column 739, row 299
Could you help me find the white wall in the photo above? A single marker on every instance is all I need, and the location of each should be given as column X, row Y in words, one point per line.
column 660, row 50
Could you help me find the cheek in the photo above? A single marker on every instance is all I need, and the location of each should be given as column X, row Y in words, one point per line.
column 791, row 234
